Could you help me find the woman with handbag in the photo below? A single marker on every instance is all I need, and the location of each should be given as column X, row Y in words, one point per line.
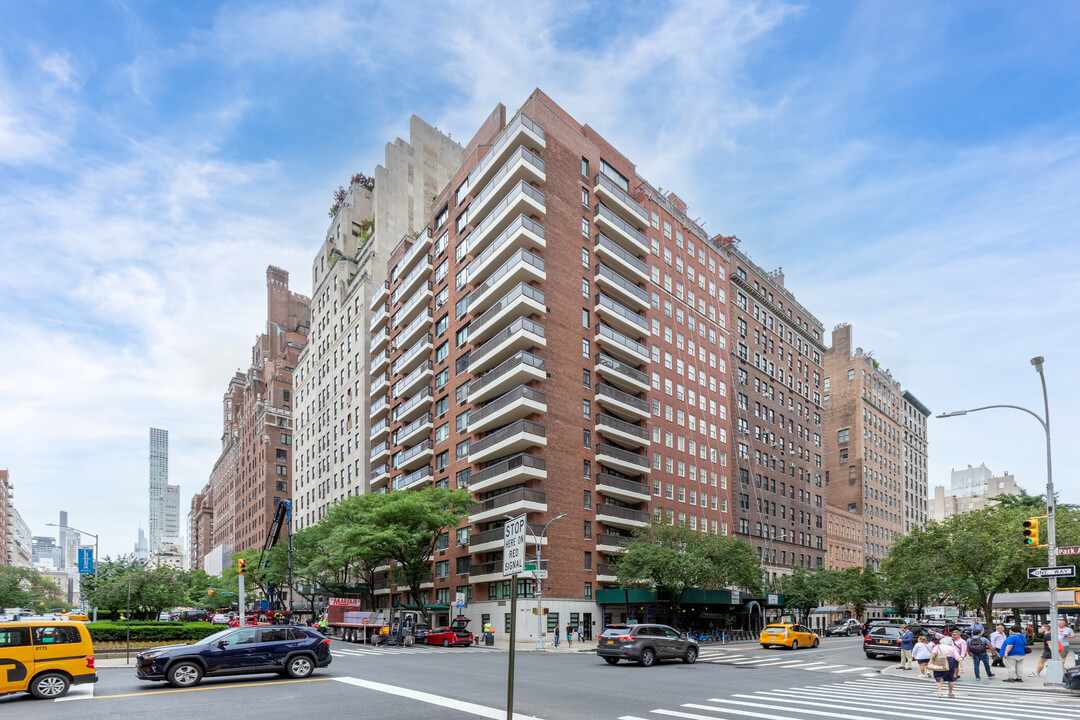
column 945, row 662
column 920, row 653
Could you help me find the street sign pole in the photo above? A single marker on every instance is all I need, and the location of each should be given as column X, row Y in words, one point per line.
column 241, row 608
column 513, row 563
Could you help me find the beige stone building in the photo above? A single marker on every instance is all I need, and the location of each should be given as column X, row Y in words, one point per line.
column 972, row 488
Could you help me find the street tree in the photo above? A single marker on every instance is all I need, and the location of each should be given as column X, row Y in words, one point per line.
column 23, row 587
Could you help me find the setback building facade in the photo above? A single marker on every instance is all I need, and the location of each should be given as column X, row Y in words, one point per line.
column 335, row 376
column 971, row 488
column 201, row 526
column 844, row 538
column 555, row 341
column 916, row 497
column 864, row 428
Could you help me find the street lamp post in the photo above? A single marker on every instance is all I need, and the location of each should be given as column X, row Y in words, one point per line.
column 1055, row 669
column 83, row 532
column 538, row 539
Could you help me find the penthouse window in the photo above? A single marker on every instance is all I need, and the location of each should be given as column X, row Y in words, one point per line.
column 440, row 219
column 614, row 175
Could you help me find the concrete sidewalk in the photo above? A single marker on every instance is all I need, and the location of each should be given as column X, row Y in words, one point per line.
column 967, row 678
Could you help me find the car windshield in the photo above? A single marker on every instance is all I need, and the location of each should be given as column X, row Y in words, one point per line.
column 615, row 631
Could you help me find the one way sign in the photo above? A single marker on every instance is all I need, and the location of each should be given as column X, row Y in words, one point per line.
column 1038, row 573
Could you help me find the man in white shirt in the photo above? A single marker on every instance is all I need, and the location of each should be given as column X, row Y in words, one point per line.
column 1065, row 634
column 996, row 639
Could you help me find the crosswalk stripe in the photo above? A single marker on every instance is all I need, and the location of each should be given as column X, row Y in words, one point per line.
column 78, row 692
column 724, row 701
column 945, row 708
column 848, row 670
column 830, row 704
column 828, row 667
column 988, row 700
column 987, row 693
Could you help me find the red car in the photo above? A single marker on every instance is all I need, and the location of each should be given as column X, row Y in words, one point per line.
column 456, row 634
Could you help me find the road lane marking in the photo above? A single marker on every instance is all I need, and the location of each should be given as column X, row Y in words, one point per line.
column 847, row 670
column 210, row 687
column 431, row 699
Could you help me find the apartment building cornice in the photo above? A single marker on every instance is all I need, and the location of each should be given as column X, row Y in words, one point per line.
column 746, row 285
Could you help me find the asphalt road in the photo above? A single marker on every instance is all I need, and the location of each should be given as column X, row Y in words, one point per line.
column 728, row 683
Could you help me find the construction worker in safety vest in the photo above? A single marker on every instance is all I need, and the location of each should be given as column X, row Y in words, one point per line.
column 322, row 622
column 487, row 627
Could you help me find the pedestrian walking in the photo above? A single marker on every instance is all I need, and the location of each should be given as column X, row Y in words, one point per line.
column 961, row 650
column 944, row 661
column 976, row 627
column 979, row 648
column 556, row 636
column 1046, row 653
column 997, row 638
column 1013, row 651
column 920, row 653
column 1065, row 636
column 907, row 641
column 580, row 633
column 569, row 635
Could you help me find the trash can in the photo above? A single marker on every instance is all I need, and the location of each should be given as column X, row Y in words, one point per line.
column 489, row 639
column 1072, row 678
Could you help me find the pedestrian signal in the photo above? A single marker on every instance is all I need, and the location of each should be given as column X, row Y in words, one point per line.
column 242, row 566
column 546, row 611
column 1031, row 531
column 534, row 611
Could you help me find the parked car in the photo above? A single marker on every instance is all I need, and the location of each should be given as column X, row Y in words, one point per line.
column 456, row 634
column 882, row 641
column 420, row 631
column 943, row 627
column 851, row 626
column 871, row 621
column 290, row 650
column 645, row 644
column 164, row 616
column 193, row 616
column 45, row 657
column 220, row 619
column 789, row 635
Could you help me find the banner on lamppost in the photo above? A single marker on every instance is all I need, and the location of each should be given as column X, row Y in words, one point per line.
column 86, row 561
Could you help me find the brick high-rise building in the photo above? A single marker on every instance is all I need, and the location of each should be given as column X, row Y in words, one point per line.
column 555, row 342
column 844, row 538
column 6, row 508
column 335, row 377
column 201, row 526
column 253, row 473
column 777, row 421
column 864, row 437
column 916, row 491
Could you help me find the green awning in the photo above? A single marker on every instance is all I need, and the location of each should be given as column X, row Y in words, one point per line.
column 426, row 607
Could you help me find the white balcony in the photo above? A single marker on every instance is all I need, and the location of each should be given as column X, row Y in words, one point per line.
column 378, row 318
column 622, row 318
column 519, row 403
column 621, row 232
column 379, row 453
column 379, row 477
column 620, row 260
column 622, row 517
column 522, row 301
column 513, row 470
column 522, row 166
column 379, row 408
column 380, row 431
column 481, row 573
column 421, row 272
column 419, row 325
column 621, row 404
column 630, row 491
column 413, row 357
column 380, row 340
column 515, row 502
column 381, row 295
column 489, row 540
column 409, row 383
column 379, row 385
column 513, row 438
column 420, row 300
column 409, row 434
column 612, row 543
column 605, row 573
column 379, row 363
column 414, row 457
column 414, row 479
column 522, row 199
column 416, row 251
column 624, row 461
column 522, row 334
column 623, row 376
column 414, row 407
column 523, row 233
column 621, row 289
column 620, row 347
column 518, row 370
column 622, row 432
column 620, row 201
column 522, row 130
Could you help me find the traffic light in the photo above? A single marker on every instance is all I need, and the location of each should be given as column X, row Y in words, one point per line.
column 1031, row 532
column 242, row 566
column 209, row 592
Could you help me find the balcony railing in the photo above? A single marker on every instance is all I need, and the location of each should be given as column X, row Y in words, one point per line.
column 621, row 483
column 420, row 346
column 404, row 408
column 378, row 361
column 380, row 449
column 504, row 237
column 519, row 325
column 622, row 368
column 509, row 132
column 617, row 511
column 607, row 273
column 406, row 310
column 379, row 406
column 625, row 456
column 617, row 337
column 407, row 334
column 419, row 245
column 492, row 567
column 404, row 481
column 490, row 536
column 610, row 217
column 521, row 256
column 407, row 381
column 605, row 570
column 603, row 241
column 606, row 183
column 405, row 456
column 523, row 153
column 610, row 539
column 521, row 392
column 403, row 432
column 604, row 420
column 511, row 463
column 520, row 427
column 605, row 390
column 380, row 314
column 406, row 284
column 522, row 290
column 514, row 496
column 379, row 428
column 622, row 311
column 522, row 357
column 493, row 217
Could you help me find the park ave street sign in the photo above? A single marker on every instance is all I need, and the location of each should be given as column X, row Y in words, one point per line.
column 514, row 546
column 1037, row 573
column 1070, row 550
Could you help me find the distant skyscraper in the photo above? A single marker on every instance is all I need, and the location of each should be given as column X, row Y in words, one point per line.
column 159, row 477
column 142, row 546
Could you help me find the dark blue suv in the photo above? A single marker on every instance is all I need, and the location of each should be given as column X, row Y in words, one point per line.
column 289, row 650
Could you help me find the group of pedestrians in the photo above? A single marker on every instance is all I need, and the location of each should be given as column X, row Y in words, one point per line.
column 943, row 660
column 570, row 629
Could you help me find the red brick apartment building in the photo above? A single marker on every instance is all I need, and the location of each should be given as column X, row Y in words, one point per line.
column 557, row 342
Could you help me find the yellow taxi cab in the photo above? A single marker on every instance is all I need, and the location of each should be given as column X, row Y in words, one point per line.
column 82, row 617
column 45, row 657
column 790, row 635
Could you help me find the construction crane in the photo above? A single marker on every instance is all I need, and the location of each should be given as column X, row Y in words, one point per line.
column 282, row 516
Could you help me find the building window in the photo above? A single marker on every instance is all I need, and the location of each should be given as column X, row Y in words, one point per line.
column 442, row 378
column 586, row 378
column 584, row 287
column 584, row 257
column 588, row 560
column 585, row 227
column 442, row 352
column 586, row 439
column 588, row 591
column 588, row 500
column 462, row 449
column 843, row 435
column 586, row 409
column 588, row 530
column 441, row 324
column 584, row 317
column 850, row 374
column 584, row 167
column 585, row 348
column 442, row 460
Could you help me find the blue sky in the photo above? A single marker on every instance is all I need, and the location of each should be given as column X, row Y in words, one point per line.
column 912, row 167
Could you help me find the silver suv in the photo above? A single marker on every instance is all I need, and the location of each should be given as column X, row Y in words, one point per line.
column 645, row 644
